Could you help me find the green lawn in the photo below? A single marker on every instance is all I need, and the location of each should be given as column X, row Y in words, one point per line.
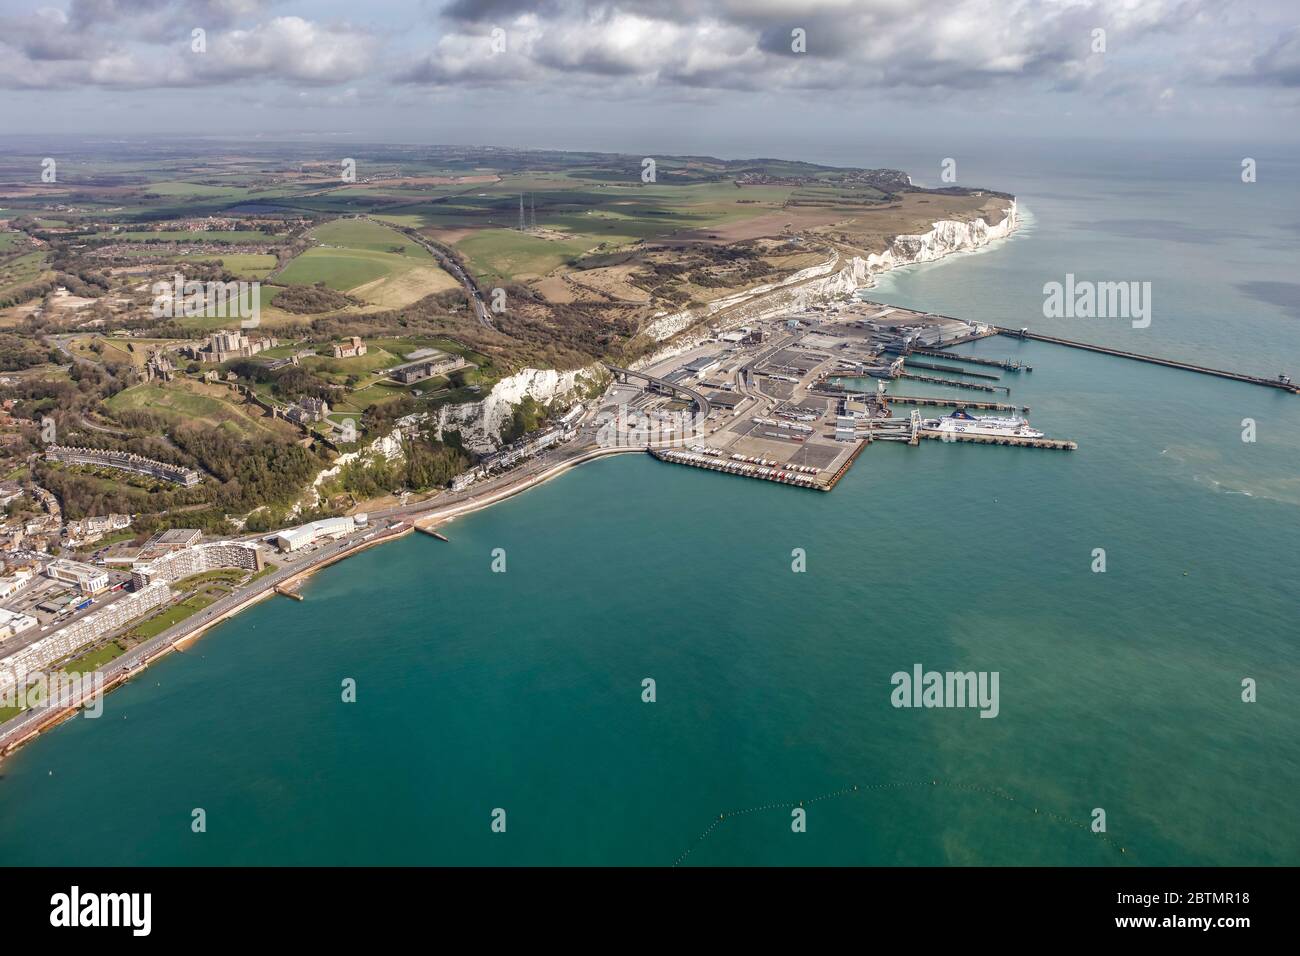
column 169, row 617
column 95, row 659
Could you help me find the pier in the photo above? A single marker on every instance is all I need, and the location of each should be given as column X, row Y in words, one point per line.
column 936, row 380
column 1007, row 364
column 287, row 592
column 957, row 369
column 949, row 403
column 1282, row 381
column 1060, row 444
column 782, row 475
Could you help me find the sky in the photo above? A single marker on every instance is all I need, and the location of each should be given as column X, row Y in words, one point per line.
column 673, row 75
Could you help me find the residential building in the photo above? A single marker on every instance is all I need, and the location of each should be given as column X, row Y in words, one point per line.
column 196, row 560
column 123, row 461
column 67, row 640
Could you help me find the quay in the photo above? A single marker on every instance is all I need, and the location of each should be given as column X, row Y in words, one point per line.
column 1283, row 382
column 936, row 380
column 1007, row 364
column 953, row 368
column 1057, row 443
column 950, row 403
column 785, row 475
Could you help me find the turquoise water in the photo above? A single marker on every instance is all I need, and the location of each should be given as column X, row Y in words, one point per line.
column 522, row 690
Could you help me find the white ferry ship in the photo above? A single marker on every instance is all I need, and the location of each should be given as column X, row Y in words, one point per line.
column 962, row 422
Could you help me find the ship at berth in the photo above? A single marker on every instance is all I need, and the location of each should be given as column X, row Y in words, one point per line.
column 962, row 422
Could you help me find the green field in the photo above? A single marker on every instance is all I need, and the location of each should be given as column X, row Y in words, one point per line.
column 22, row 271
column 339, row 269
column 186, row 401
column 337, row 370
column 95, row 659
column 363, row 234
column 245, row 265
column 369, row 260
column 506, row 254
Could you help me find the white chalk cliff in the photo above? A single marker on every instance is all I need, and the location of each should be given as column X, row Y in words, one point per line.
column 825, row 282
column 947, row 236
column 479, row 423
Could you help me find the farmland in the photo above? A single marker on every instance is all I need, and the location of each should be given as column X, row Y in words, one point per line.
column 369, row 261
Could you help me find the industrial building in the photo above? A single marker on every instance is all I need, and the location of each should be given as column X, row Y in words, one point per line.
column 303, row 535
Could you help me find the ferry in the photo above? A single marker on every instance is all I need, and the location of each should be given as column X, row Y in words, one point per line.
column 962, row 422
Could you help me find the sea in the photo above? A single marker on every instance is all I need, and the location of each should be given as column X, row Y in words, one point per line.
column 678, row 667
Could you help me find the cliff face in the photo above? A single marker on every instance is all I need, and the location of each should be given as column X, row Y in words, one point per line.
column 480, row 423
column 836, row 278
column 947, row 236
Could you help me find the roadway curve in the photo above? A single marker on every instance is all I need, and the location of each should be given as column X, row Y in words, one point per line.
column 697, row 397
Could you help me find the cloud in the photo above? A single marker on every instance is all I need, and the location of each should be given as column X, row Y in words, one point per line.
column 748, row 44
column 972, row 51
column 98, row 43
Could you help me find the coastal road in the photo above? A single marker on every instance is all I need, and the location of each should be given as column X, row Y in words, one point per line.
column 25, row 723
column 584, row 447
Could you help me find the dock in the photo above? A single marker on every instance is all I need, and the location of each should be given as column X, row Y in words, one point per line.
column 956, row 369
column 949, row 403
column 1282, row 382
column 1059, row 444
column 936, row 380
column 784, row 476
column 1006, row 364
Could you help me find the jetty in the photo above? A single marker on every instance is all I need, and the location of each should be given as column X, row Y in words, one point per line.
column 948, row 403
column 1007, row 364
column 957, row 369
column 1282, row 382
column 936, row 380
column 1059, row 444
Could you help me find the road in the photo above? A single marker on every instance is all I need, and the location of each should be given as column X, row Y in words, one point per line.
column 453, row 266
column 480, row 495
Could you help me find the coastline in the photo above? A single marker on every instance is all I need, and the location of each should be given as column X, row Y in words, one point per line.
column 428, row 516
